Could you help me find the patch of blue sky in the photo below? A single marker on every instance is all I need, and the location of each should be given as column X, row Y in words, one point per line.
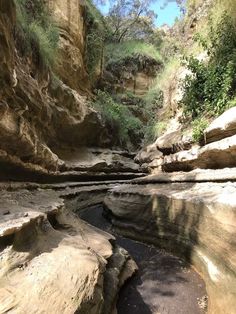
column 166, row 14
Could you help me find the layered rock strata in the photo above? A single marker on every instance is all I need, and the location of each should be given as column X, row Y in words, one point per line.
column 194, row 220
column 78, row 165
column 43, row 114
column 174, row 152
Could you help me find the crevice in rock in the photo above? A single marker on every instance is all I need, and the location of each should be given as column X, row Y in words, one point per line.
column 6, row 241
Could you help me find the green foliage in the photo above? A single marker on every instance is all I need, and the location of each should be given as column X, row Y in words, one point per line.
column 232, row 103
column 119, row 118
column 153, row 99
column 36, row 32
column 118, row 52
column 95, row 38
column 199, row 125
column 170, row 47
column 167, row 74
column 212, row 84
column 153, row 130
column 128, row 20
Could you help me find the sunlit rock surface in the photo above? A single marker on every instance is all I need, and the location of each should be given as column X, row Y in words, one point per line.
column 51, row 261
column 222, row 127
column 215, row 155
column 195, row 221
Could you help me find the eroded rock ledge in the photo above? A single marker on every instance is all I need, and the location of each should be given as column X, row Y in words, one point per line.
column 53, row 262
column 194, row 220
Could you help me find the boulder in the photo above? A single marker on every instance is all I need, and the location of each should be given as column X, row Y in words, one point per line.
column 222, row 127
column 172, row 142
column 148, row 154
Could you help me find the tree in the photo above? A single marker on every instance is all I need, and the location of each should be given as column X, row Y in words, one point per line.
column 130, row 19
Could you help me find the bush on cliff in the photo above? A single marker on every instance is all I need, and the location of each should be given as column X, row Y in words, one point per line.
column 116, row 52
column 119, row 118
column 212, row 84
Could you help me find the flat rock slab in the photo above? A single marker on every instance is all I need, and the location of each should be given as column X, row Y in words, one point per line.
column 163, row 284
column 197, row 175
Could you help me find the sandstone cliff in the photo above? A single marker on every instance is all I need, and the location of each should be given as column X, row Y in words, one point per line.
column 38, row 110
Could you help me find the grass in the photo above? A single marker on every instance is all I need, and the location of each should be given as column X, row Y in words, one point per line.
column 170, row 70
column 119, row 118
column 153, row 130
column 120, row 51
column 153, row 98
column 162, row 82
column 36, row 32
column 96, row 33
column 199, row 125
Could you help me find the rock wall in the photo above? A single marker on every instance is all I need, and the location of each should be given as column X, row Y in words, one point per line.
column 38, row 111
column 174, row 151
column 134, row 74
column 189, row 210
column 194, row 220
column 70, row 18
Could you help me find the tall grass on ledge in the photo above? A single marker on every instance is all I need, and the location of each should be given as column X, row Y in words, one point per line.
column 120, row 51
column 36, row 31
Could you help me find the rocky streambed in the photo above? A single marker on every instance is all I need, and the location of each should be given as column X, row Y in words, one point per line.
column 162, row 284
column 58, row 254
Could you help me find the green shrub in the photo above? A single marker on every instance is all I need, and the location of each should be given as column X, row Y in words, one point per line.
column 119, row 118
column 199, row 125
column 232, row 103
column 120, row 51
column 153, row 99
column 212, row 84
column 36, row 32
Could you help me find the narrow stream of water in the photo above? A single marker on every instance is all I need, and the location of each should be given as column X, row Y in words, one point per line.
column 164, row 284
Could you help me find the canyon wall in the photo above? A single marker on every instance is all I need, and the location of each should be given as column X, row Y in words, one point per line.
column 41, row 110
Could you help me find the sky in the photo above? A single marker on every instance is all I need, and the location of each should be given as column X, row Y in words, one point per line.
column 166, row 14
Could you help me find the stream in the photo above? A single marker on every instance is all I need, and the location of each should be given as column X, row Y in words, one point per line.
column 164, row 284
